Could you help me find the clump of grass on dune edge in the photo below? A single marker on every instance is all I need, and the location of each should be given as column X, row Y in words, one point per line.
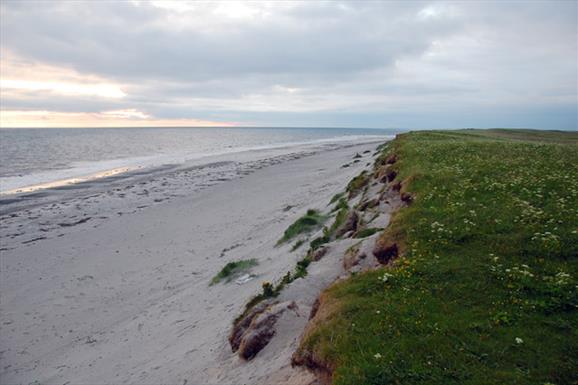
column 233, row 269
column 486, row 290
column 312, row 220
column 336, row 197
column 355, row 186
column 368, row 232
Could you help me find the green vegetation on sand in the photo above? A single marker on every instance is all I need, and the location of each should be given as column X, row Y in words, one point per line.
column 312, row 220
column 297, row 244
column 368, row 232
column 485, row 290
column 336, row 197
column 233, row 270
column 357, row 184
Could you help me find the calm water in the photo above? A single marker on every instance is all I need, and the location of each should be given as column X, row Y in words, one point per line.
column 56, row 153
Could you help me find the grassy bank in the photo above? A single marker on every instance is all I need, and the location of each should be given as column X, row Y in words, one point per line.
column 485, row 290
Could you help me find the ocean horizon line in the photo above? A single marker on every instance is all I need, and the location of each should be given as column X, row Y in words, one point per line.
column 401, row 129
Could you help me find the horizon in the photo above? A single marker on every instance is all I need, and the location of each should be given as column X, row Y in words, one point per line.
column 420, row 65
column 405, row 129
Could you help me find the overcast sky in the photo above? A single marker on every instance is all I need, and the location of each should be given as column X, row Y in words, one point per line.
column 410, row 64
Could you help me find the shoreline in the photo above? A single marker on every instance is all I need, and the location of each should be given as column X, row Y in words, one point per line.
column 67, row 181
column 129, row 294
column 82, row 171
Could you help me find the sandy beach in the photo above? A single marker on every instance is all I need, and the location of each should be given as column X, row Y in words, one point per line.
column 124, row 296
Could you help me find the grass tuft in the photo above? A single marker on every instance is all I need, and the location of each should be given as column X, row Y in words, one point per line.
column 357, row 183
column 297, row 244
column 336, row 197
column 233, row 269
column 301, row 269
column 341, row 204
column 310, row 221
column 318, row 242
column 367, row 232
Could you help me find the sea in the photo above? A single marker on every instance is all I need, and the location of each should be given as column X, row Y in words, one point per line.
column 33, row 157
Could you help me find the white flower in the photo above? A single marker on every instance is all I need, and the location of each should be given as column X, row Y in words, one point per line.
column 385, row 277
column 377, row 356
column 519, row 340
column 377, row 312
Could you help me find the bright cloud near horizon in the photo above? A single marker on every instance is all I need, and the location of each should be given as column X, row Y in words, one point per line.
column 418, row 64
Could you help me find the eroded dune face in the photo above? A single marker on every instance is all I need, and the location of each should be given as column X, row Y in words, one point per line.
column 353, row 241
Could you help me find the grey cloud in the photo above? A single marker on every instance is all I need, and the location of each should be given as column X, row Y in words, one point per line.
column 124, row 41
column 371, row 60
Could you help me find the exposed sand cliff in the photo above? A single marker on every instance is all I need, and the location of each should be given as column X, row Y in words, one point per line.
column 268, row 334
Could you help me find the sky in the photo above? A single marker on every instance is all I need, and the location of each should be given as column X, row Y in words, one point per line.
column 372, row 64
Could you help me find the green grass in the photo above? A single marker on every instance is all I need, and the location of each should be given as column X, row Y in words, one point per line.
column 233, row 269
column 301, row 268
column 486, row 289
column 312, row 220
column 340, row 218
column 357, row 183
column 336, row 197
column 367, row 232
column 297, row 244
column 341, row 204
column 318, row 242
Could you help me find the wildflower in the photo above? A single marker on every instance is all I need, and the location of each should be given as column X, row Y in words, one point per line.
column 562, row 278
column 377, row 356
column 519, row 340
column 377, row 312
column 385, row 277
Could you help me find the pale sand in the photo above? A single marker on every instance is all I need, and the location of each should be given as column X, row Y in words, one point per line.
column 128, row 300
